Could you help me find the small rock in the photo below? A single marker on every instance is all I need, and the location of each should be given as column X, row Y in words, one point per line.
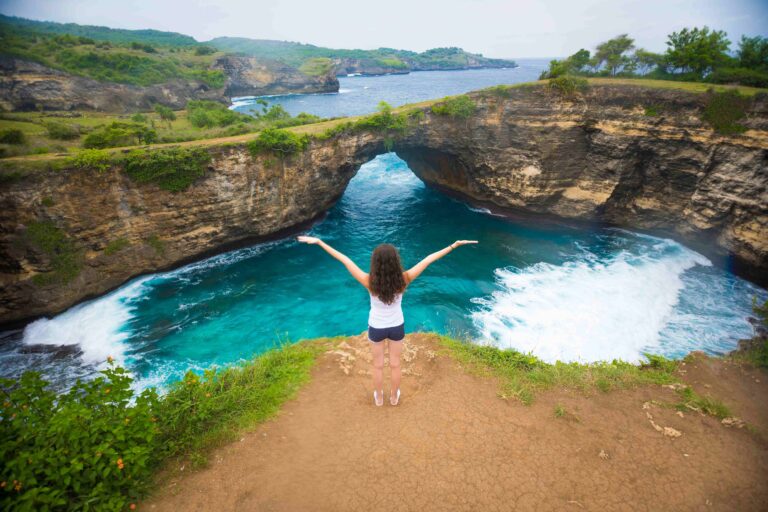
column 671, row 432
column 707, row 386
column 733, row 422
column 603, row 455
column 680, row 413
column 685, row 455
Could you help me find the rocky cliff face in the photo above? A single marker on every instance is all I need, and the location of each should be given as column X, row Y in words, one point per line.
column 594, row 158
column 26, row 85
column 248, row 76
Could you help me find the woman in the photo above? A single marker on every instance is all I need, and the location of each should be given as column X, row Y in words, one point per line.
column 385, row 284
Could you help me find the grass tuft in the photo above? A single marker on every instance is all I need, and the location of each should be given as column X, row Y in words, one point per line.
column 690, row 400
column 522, row 375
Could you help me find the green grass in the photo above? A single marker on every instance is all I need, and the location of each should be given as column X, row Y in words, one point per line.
column 200, row 412
column 692, row 401
column 522, row 375
column 317, row 66
column 697, row 87
column 116, row 246
column 158, row 245
column 559, row 411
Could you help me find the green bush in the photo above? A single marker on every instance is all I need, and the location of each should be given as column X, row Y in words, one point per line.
column 208, row 114
column 12, row 136
column 741, row 76
column 459, row 106
column 172, row 169
column 62, row 131
column 91, row 448
column 384, row 121
column 92, row 159
column 568, row 85
column 120, row 134
column 280, row 142
column 723, row 111
column 154, row 242
column 139, row 118
column 652, row 110
column 165, row 113
column 51, row 240
column 204, row 50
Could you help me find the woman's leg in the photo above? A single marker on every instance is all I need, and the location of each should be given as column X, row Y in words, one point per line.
column 395, row 349
column 377, row 349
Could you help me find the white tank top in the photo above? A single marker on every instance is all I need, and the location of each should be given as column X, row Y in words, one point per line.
column 386, row 315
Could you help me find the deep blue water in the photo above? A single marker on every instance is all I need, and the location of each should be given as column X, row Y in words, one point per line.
column 559, row 292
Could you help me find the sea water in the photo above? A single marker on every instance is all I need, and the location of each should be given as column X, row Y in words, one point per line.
column 560, row 292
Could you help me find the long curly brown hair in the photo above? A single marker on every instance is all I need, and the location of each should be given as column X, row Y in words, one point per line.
column 386, row 277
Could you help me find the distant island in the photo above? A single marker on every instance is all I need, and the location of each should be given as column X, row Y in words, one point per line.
column 66, row 66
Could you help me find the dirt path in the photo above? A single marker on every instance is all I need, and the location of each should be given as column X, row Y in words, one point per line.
column 452, row 444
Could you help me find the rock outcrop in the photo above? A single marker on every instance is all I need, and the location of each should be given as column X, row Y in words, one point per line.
column 593, row 158
column 26, row 85
column 248, row 76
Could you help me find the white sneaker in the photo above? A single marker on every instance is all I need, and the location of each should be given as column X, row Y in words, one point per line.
column 376, row 400
column 396, row 399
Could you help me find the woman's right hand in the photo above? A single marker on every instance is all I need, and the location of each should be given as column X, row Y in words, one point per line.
column 458, row 243
column 308, row 239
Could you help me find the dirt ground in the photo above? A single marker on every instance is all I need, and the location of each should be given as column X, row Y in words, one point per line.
column 453, row 444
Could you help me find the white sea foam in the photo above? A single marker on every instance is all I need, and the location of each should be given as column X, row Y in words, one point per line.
column 97, row 326
column 590, row 309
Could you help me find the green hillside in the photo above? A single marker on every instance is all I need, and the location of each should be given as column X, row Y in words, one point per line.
column 129, row 57
column 113, row 35
column 296, row 54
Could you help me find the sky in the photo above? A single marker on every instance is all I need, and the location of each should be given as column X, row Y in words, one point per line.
column 495, row 28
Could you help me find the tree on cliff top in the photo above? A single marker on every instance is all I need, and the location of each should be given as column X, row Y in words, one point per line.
column 697, row 50
column 612, row 54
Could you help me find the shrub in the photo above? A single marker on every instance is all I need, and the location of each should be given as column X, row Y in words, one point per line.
column 207, row 114
column 172, row 169
column 139, row 118
column 568, row 85
column 204, row 50
column 51, row 240
column 47, row 201
column 12, row 136
column 93, row 159
column 384, row 121
column 724, row 109
column 116, row 246
column 61, row 131
column 459, row 106
column 154, row 242
column 652, row 110
column 165, row 113
column 741, row 76
column 91, row 448
column 280, row 142
column 120, row 134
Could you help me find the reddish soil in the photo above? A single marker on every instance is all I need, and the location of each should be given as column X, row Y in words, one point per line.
column 453, row 444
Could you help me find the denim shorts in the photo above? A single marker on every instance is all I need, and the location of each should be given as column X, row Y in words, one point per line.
column 389, row 333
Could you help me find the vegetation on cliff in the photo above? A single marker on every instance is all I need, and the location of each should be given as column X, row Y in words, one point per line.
column 380, row 60
column 97, row 446
column 697, row 54
column 65, row 259
column 120, row 62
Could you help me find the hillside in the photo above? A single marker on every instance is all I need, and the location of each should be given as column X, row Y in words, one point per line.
column 379, row 61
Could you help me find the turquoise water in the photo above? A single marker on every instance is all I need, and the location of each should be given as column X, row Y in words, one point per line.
column 560, row 292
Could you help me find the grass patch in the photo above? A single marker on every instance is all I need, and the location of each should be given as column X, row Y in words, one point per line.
column 200, row 412
column 92, row 159
column 173, row 169
column 116, row 246
column 724, row 110
column 459, row 106
column 47, row 201
column 567, row 85
column 559, row 411
column 318, row 66
column 522, row 375
column 652, row 111
column 690, row 400
column 53, row 242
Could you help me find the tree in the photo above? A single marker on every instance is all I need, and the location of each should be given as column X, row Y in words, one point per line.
column 644, row 61
column 697, row 50
column 753, row 53
column 574, row 64
column 165, row 113
column 611, row 53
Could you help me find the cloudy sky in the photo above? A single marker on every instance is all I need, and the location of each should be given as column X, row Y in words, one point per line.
column 496, row 28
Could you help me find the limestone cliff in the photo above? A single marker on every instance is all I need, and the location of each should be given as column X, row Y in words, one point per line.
column 593, row 158
column 26, row 85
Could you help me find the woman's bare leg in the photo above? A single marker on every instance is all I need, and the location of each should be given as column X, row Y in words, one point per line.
column 377, row 350
column 395, row 349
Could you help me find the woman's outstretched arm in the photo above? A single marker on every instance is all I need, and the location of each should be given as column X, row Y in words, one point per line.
column 417, row 269
column 362, row 277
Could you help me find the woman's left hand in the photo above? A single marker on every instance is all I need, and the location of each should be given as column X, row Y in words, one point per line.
column 308, row 239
